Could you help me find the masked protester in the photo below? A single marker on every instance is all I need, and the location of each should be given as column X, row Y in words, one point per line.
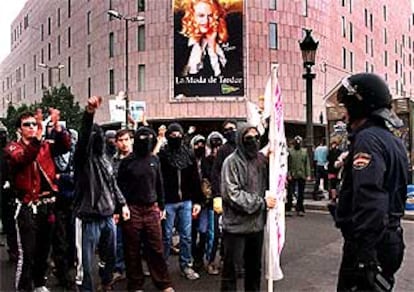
column 244, row 182
column 181, row 179
column 214, row 142
column 140, row 180
column 97, row 198
column 200, row 223
column 372, row 196
column 298, row 173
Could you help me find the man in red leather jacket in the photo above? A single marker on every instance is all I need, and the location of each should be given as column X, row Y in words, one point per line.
column 30, row 161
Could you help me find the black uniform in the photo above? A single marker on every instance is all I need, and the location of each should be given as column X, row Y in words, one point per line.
column 371, row 204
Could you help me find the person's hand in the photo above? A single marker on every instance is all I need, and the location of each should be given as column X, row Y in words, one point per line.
column 212, row 40
column 39, row 120
column 93, row 103
column 54, row 118
column 196, row 210
column 163, row 214
column 125, row 213
column 116, row 218
column 289, row 177
column 218, row 205
column 271, row 202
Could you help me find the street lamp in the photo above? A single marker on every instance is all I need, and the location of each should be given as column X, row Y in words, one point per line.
column 56, row 67
column 119, row 16
column 308, row 47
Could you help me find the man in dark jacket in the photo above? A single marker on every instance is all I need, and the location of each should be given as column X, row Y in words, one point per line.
column 244, row 180
column 32, row 172
column 372, row 196
column 182, row 182
column 140, row 180
column 97, row 196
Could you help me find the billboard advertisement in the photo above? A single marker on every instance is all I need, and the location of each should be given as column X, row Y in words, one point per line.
column 208, row 48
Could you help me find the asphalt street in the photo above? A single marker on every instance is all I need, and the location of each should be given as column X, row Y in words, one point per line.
column 310, row 261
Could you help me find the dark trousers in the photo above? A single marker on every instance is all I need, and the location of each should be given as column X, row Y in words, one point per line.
column 291, row 189
column 63, row 242
column 246, row 248
column 8, row 206
column 390, row 252
column 34, row 233
column 144, row 228
column 320, row 173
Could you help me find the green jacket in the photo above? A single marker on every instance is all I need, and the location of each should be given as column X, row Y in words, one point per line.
column 298, row 163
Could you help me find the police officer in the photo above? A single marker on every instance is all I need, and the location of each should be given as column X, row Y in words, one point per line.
column 372, row 197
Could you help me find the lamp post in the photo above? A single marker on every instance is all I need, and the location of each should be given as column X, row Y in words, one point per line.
column 127, row 19
column 56, row 67
column 308, row 47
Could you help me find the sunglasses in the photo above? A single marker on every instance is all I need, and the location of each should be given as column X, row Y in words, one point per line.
column 28, row 124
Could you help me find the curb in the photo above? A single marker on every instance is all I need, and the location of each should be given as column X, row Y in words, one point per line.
column 409, row 215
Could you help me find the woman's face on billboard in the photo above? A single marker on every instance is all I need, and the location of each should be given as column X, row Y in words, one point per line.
column 203, row 14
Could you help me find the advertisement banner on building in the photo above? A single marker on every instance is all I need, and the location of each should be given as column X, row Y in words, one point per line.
column 208, row 48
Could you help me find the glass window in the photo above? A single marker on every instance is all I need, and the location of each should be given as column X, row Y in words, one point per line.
column 343, row 26
column 49, row 51
column 88, row 22
column 41, row 32
column 42, row 56
column 89, row 87
column 366, row 17
column 140, row 5
column 344, row 58
column 351, row 61
column 58, row 44
column 141, row 37
column 273, row 44
column 111, row 82
column 385, row 58
column 351, row 32
column 111, row 45
column 69, row 37
column 89, row 57
column 58, row 17
column 69, row 67
column 385, row 35
column 34, row 63
column 69, row 8
column 385, row 12
column 305, row 7
column 141, row 77
column 49, row 25
column 272, row 4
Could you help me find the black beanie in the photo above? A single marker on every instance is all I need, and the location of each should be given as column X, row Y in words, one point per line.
column 174, row 127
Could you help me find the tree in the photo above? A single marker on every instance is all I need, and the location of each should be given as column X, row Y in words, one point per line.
column 60, row 98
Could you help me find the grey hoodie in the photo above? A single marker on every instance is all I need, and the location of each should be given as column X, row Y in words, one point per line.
column 243, row 186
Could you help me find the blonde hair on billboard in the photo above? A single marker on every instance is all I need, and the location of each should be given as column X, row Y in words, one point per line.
column 190, row 27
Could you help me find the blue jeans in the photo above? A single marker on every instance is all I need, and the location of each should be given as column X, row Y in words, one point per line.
column 119, row 259
column 98, row 233
column 183, row 212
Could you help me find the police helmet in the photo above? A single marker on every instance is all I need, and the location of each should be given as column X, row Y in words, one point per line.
column 363, row 93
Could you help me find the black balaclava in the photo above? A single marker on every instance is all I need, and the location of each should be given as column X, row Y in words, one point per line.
column 97, row 140
column 144, row 141
column 251, row 146
column 200, row 151
column 230, row 135
column 174, row 142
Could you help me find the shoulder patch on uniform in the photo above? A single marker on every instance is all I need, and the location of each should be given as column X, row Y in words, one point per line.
column 361, row 160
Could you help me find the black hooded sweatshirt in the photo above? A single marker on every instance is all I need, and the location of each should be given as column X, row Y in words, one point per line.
column 96, row 192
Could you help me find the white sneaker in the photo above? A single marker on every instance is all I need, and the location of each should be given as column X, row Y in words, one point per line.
column 41, row 289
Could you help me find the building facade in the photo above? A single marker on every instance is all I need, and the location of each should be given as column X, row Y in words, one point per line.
column 82, row 46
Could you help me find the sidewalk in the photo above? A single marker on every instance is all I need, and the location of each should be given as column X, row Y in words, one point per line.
column 322, row 206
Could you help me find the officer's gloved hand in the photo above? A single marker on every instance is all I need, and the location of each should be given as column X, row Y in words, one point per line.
column 366, row 268
column 369, row 273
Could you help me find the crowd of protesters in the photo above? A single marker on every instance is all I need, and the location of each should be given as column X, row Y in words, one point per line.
column 117, row 198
